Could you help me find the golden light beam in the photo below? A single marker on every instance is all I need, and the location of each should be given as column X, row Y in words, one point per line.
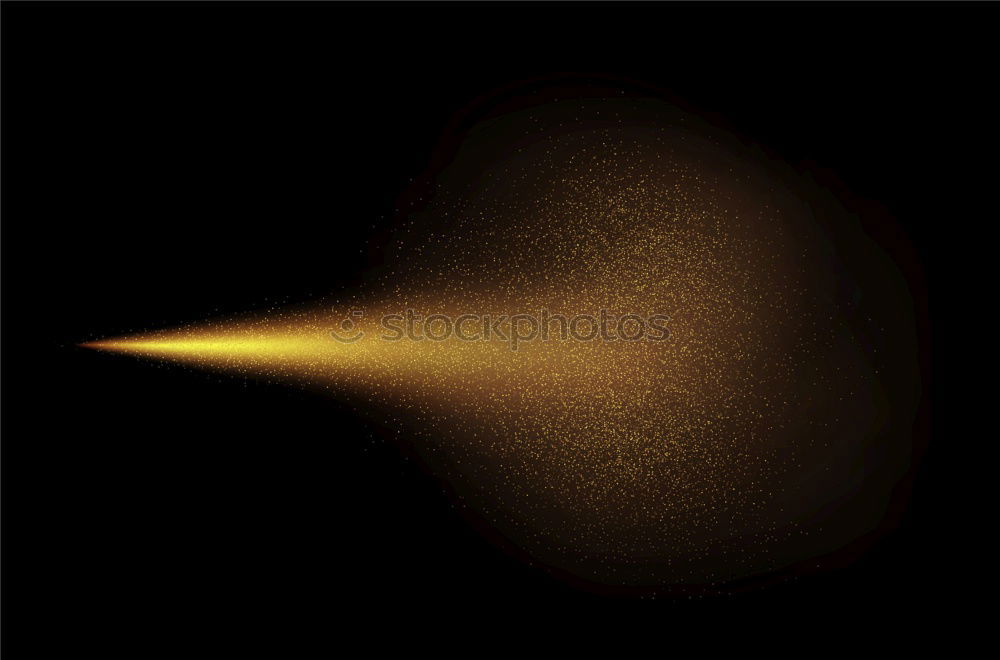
column 223, row 348
column 619, row 461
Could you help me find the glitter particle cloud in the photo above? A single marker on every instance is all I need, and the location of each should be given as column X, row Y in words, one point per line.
column 770, row 427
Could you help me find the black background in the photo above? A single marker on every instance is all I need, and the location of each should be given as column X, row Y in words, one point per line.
column 168, row 163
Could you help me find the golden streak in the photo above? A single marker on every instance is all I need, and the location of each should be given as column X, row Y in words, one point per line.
column 692, row 458
column 221, row 347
